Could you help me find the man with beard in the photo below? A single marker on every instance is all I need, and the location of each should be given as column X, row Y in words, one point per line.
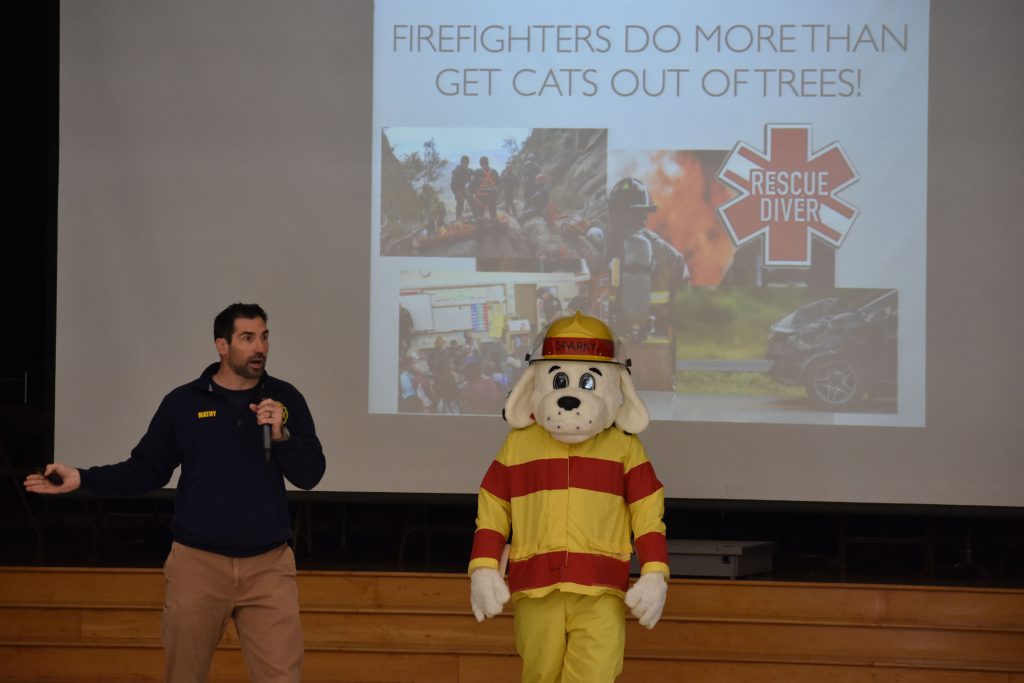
column 230, row 557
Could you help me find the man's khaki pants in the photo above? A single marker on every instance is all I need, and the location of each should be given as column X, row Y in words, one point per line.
column 203, row 590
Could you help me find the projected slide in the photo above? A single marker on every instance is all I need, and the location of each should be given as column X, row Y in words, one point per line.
column 738, row 190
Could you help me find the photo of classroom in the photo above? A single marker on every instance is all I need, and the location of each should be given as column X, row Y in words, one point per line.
column 464, row 336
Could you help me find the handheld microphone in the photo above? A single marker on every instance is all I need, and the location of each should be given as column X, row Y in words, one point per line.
column 266, row 427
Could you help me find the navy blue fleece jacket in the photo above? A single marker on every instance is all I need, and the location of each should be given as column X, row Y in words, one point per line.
column 230, row 500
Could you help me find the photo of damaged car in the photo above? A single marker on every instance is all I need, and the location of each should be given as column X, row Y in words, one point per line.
column 841, row 349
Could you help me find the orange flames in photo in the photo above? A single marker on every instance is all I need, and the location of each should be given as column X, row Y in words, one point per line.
column 684, row 186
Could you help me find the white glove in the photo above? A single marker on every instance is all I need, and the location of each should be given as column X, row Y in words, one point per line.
column 646, row 598
column 488, row 593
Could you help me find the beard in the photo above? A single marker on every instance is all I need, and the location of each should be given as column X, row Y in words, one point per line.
column 246, row 370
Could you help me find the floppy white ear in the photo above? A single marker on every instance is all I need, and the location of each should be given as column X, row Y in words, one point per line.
column 518, row 410
column 632, row 417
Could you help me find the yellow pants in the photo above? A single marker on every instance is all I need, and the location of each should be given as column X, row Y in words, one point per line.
column 570, row 638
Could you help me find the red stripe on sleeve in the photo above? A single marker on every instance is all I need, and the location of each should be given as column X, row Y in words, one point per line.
column 487, row 543
column 496, row 481
column 651, row 547
column 641, row 482
column 547, row 569
column 595, row 474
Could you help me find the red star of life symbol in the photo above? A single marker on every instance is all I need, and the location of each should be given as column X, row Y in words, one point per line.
column 788, row 195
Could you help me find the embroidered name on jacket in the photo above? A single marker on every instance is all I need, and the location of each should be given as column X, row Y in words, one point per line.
column 206, row 413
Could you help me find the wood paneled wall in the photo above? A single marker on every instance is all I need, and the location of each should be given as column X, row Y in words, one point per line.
column 92, row 624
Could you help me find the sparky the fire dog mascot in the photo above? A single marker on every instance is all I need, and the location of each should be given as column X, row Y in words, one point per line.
column 572, row 484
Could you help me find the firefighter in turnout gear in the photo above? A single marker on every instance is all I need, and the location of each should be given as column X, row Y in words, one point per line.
column 650, row 269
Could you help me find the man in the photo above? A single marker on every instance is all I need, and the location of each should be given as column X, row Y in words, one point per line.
column 537, row 204
column 230, row 556
column 550, row 306
column 652, row 270
column 510, row 183
column 460, row 178
column 483, row 190
column 529, row 173
column 482, row 395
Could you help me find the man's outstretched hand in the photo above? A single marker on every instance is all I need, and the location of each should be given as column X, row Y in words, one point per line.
column 38, row 483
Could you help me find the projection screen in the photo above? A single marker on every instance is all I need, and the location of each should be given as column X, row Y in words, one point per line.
column 818, row 307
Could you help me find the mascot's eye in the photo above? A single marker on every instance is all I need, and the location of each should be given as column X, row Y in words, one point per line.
column 588, row 382
column 560, row 381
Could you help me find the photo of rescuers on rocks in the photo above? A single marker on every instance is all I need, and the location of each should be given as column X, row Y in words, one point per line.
column 497, row 193
column 634, row 238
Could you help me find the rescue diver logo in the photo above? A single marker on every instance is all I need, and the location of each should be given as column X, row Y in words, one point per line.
column 206, row 413
column 788, row 195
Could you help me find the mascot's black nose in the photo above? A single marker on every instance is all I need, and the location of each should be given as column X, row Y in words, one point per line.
column 568, row 403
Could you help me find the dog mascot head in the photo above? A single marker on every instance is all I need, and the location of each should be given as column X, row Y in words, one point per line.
column 575, row 387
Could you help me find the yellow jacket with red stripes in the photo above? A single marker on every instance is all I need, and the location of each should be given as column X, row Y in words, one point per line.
column 572, row 509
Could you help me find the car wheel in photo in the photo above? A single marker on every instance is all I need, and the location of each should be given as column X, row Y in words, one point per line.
column 835, row 383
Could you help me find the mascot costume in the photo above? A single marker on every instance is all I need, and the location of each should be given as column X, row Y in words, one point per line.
column 572, row 484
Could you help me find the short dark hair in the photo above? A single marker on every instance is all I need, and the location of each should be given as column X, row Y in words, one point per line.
column 224, row 323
